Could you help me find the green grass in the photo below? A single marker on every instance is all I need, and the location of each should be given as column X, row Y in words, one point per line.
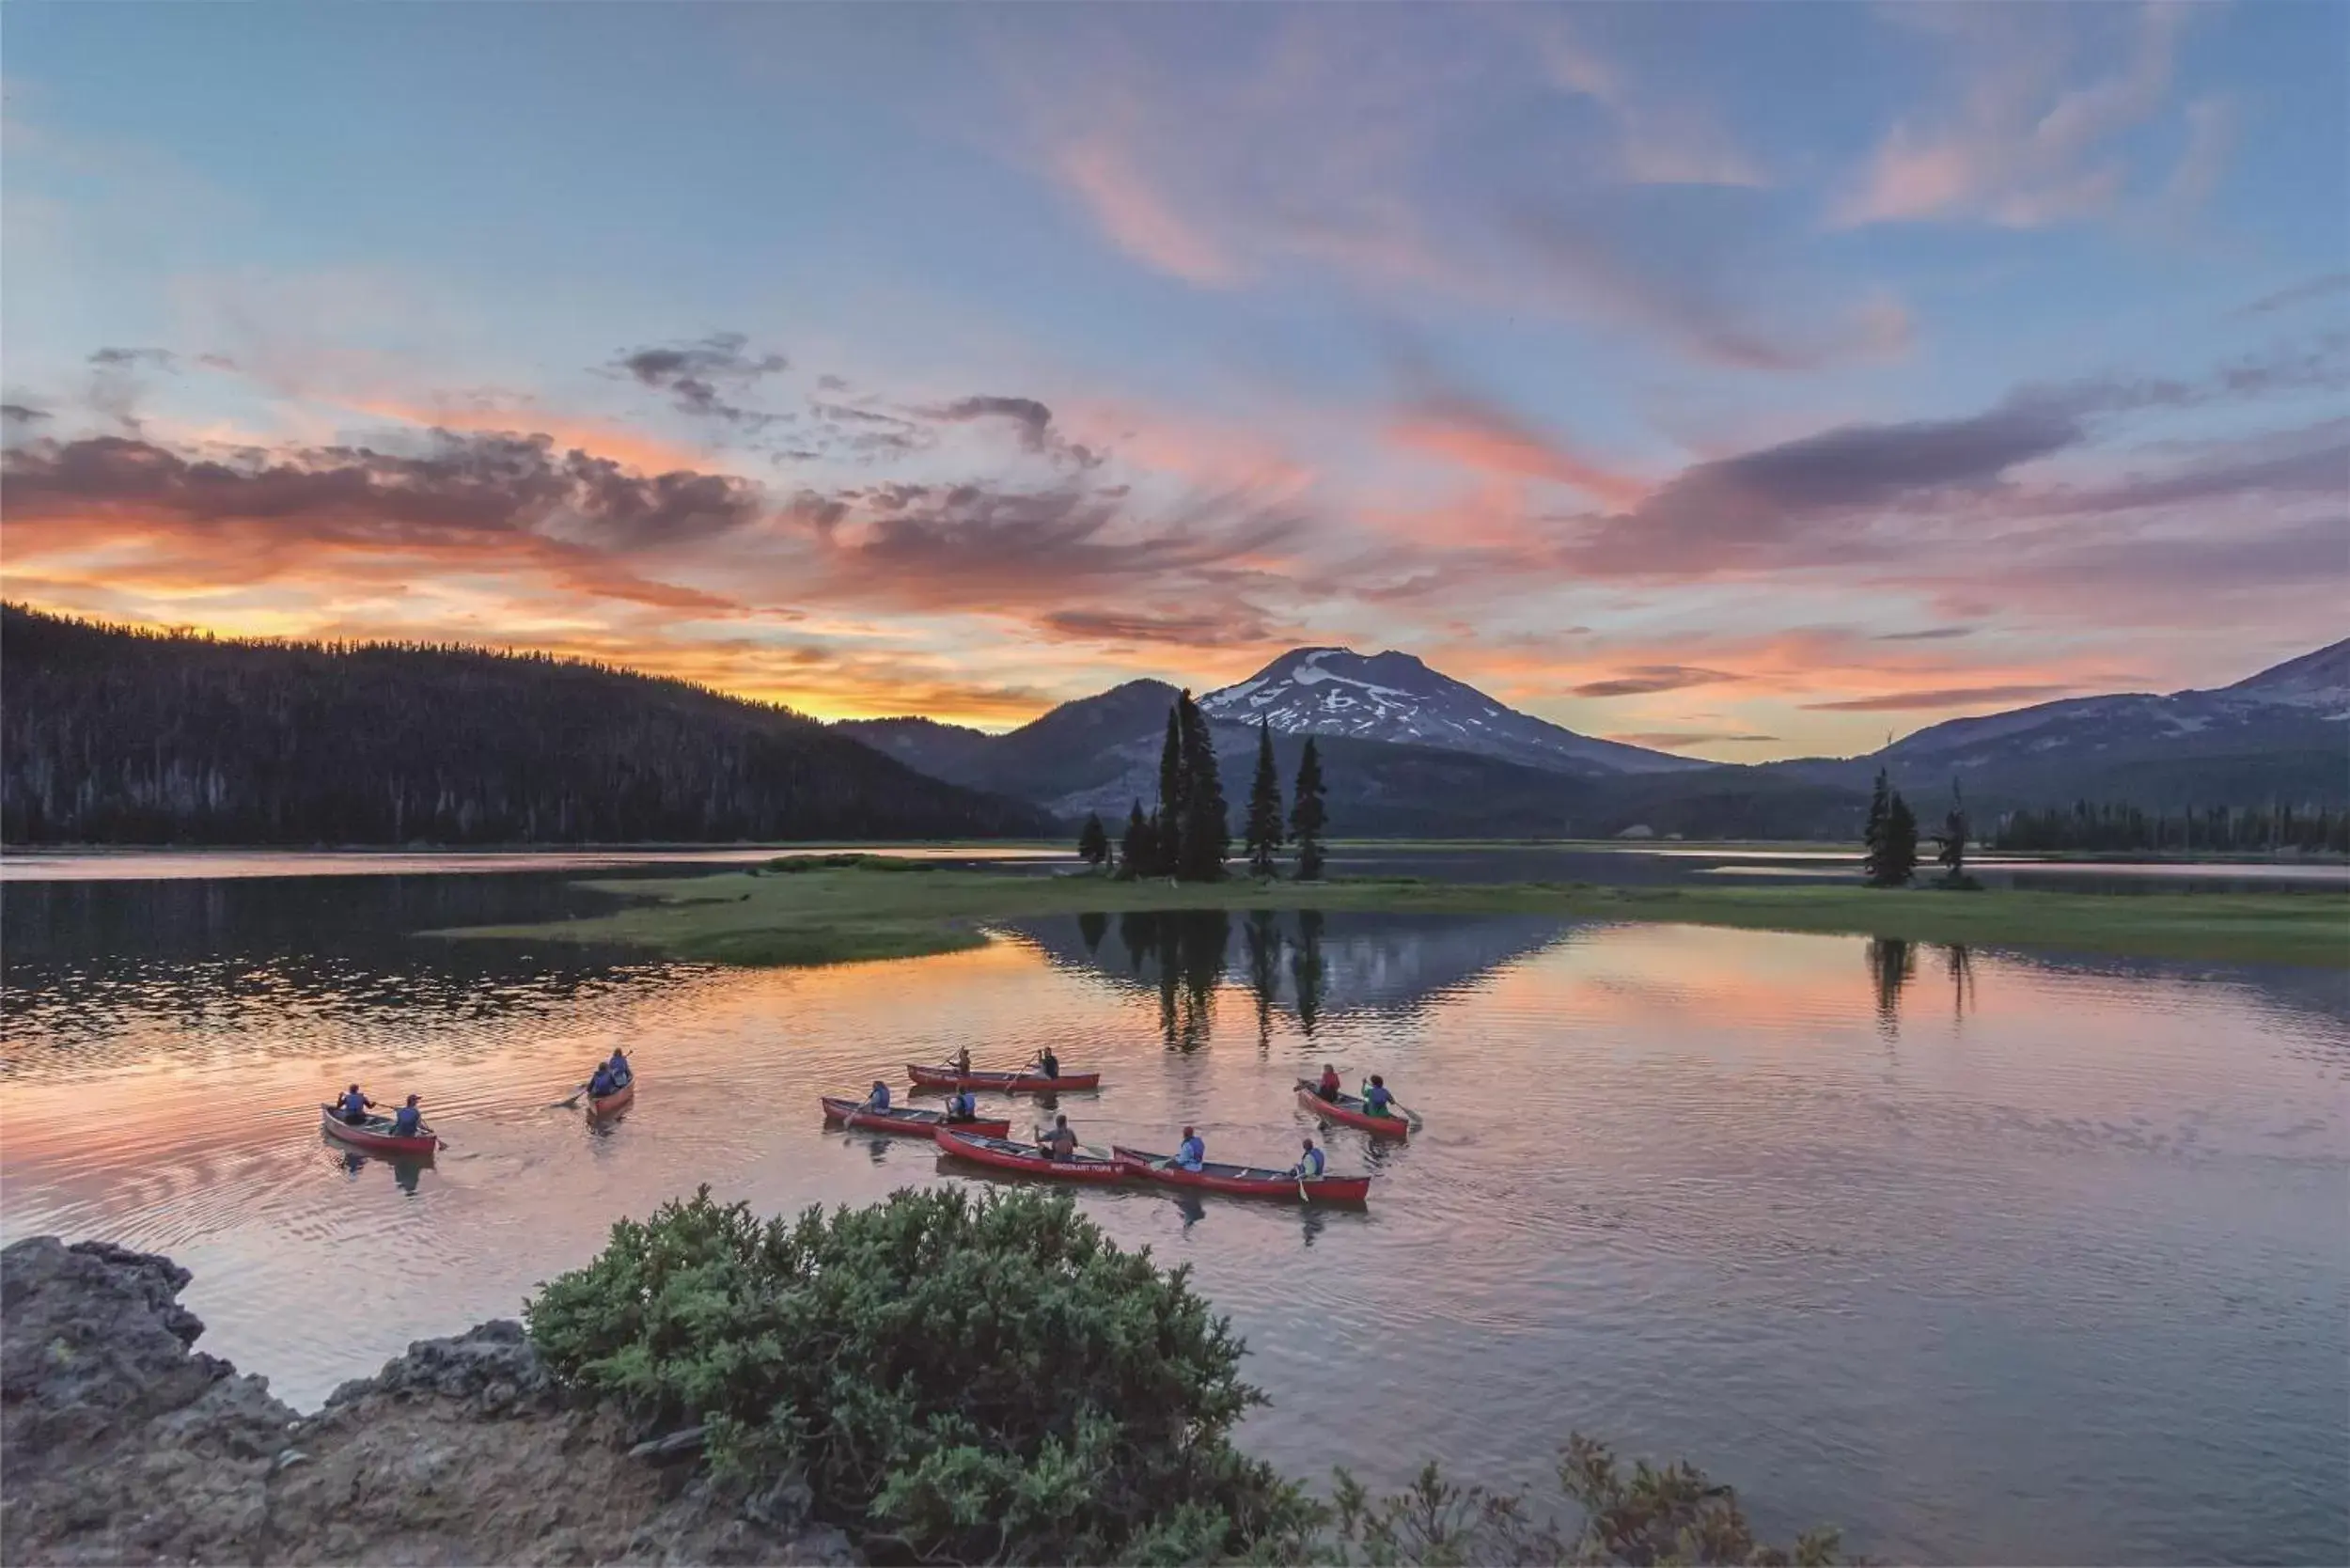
column 843, row 914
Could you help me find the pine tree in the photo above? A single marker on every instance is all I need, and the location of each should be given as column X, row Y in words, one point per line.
column 1264, row 806
column 1893, row 859
column 1167, row 842
column 1137, row 853
column 1952, row 853
column 1206, row 832
column 1880, row 803
column 1306, row 818
column 1093, row 842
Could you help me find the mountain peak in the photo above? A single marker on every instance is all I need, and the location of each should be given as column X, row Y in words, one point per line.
column 1394, row 697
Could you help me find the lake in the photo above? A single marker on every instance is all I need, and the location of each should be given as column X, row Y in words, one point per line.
column 1978, row 1255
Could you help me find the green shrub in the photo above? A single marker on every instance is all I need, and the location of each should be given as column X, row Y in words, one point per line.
column 988, row 1379
column 1653, row 1518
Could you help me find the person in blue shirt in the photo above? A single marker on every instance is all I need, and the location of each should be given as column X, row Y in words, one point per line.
column 408, row 1121
column 600, row 1082
column 962, row 1106
column 1309, row 1163
column 1048, row 1064
column 878, row 1099
column 617, row 1066
column 352, row 1106
column 1193, row 1151
column 1376, row 1099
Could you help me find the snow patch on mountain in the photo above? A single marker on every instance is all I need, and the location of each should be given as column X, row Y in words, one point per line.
column 1394, row 698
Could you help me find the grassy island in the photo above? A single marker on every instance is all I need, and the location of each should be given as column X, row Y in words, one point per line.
column 838, row 909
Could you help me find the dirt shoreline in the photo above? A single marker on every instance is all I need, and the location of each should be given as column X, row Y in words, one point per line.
column 122, row 1444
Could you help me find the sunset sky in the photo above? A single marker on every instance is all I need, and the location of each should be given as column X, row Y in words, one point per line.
column 1751, row 382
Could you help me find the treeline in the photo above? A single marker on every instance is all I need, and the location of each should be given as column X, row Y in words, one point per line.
column 2215, row 829
column 1189, row 834
column 114, row 736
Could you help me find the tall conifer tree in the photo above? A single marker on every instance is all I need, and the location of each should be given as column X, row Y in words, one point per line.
column 1306, row 817
column 1206, row 832
column 1264, row 806
column 1169, row 849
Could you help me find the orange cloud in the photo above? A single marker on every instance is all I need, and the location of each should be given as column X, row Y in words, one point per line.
column 1476, row 435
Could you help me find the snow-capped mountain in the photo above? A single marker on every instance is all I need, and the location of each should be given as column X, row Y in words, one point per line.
column 1393, row 697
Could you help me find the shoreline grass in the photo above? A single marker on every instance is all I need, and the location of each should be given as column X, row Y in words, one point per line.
column 847, row 913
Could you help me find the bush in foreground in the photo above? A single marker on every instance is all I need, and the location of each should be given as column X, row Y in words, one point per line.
column 991, row 1379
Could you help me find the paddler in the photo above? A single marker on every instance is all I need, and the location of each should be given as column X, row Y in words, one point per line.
column 408, row 1121
column 962, row 1106
column 1330, row 1086
column 961, row 1063
column 878, row 1099
column 617, row 1066
column 352, row 1107
column 1376, row 1099
column 1048, row 1064
column 1193, row 1153
column 1309, row 1163
column 1061, row 1142
column 600, row 1082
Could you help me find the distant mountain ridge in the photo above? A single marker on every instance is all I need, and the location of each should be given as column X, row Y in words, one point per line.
column 1410, row 750
column 1393, row 697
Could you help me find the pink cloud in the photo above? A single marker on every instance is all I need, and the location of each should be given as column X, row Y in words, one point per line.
column 1137, row 217
column 2021, row 151
column 1475, row 435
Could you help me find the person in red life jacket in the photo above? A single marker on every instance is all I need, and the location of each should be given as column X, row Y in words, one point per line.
column 1329, row 1086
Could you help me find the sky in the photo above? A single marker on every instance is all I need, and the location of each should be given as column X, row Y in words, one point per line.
column 1742, row 381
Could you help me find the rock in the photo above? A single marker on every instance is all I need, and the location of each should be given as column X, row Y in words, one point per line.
column 123, row 1445
column 676, row 1446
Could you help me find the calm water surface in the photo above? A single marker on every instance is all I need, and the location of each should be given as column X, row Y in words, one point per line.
column 1982, row 1257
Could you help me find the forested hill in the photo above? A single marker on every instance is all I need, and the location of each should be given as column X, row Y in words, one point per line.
column 114, row 736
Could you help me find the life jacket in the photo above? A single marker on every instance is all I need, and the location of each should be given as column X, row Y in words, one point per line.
column 1330, row 1084
column 1051, row 1065
column 354, row 1105
column 406, row 1119
column 1192, row 1154
column 1311, row 1164
column 1377, row 1098
column 881, row 1096
column 965, row 1108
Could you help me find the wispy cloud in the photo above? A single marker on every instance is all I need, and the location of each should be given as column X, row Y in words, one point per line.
column 704, row 378
column 1683, row 740
column 1460, row 427
column 1641, row 680
column 1947, row 696
column 2305, row 293
column 2025, row 148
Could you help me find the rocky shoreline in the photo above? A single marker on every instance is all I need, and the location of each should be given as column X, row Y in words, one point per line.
column 121, row 1443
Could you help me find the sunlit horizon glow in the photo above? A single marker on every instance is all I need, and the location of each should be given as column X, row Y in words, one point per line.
column 1744, row 384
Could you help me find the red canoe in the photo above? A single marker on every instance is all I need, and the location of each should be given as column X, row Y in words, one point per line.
column 1245, row 1180
column 1349, row 1111
column 1027, row 1158
column 900, row 1118
column 612, row 1103
column 375, row 1134
column 1003, row 1083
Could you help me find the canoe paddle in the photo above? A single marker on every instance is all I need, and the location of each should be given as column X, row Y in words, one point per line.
column 849, row 1120
column 567, row 1104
